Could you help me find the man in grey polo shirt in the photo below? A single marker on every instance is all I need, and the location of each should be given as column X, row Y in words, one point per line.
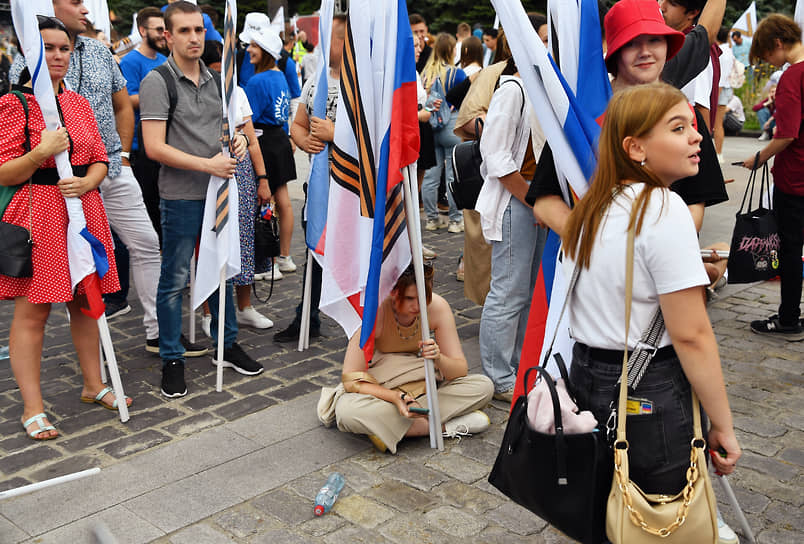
column 189, row 152
column 93, row 73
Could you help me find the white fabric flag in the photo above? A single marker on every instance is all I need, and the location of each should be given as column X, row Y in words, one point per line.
column 747, row 23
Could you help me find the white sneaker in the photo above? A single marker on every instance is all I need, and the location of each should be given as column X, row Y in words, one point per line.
column 250, row 317
column 206, row 323
column 285, row 264
column 428, row 253
column 725, row 533
column 455, row 226
column 764, row 136
column 467, row 424
column 431, row 224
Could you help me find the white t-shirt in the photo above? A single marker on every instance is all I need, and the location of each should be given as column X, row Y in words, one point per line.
column 699, row 89
column 726, row 65
column 667, row 258
column 243, row 107
column 333, row 90
column 472, row 69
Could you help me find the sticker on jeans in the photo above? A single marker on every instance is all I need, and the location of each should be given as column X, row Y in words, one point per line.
column 638, row 406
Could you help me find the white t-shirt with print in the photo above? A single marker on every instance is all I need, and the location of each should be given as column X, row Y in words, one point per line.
column 667, row 258
column 243, row 107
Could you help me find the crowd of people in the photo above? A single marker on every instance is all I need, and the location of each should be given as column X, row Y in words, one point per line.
column 143, row 137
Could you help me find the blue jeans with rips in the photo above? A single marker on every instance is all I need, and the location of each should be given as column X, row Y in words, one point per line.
column 181, row 225
column 514, row 267
column 445, row 140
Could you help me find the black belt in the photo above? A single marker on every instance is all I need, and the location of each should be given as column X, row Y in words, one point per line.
column 50, row 176
column 615, row 356
column 266, row 127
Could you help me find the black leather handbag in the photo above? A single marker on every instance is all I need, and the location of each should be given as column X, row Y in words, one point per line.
column 564, row 479
column 466, row 161
column 16, row 244
column 266, row 246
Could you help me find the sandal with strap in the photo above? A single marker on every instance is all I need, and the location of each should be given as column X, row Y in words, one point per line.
column 99, row 399
column 39, row 419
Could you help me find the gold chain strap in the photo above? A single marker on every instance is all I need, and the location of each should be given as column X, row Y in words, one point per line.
column 688, row 493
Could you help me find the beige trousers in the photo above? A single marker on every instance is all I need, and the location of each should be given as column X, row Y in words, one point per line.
column 476, row 259
column 366, row 414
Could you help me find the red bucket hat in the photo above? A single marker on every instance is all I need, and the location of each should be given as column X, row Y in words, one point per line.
column 628, row 19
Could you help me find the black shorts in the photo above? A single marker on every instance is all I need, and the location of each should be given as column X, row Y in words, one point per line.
column 277, row 154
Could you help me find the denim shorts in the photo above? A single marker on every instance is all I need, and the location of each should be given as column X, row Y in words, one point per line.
column 659, row 442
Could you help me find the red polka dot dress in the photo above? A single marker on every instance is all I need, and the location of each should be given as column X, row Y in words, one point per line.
column 51, row 272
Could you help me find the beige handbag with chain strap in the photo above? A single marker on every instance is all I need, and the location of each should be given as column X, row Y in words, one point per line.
column 636, row 517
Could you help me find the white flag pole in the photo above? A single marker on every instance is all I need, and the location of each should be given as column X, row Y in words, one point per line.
column 414, row 234
column 114, row 374
column 30, row 488
column 304, row 326
column 192, row 290
column 221, row 323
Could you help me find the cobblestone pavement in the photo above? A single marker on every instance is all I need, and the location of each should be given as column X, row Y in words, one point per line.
column 244, row 465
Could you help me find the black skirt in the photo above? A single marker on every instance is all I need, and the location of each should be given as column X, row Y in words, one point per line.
column 427, row 158
column 277, row 155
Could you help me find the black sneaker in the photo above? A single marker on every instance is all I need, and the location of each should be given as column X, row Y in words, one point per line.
column 291, row 334
column 191, row 349
column 774, row 326
column 117, row 309
column 173, row 379
column 234, row 357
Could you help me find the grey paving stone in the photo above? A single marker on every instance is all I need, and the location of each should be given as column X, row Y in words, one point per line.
column 763, row 446
column 761, row 427
column 125, row 526
column 765, row 465
column 287, row 506
column 355, row 535
column 89, row 418
column 242, row 407
column 207, row 400
column 257, row 385
column 182, row 503
column 420, row 477
column 74, row 463
column 286, row 420
column 515, row 518
column 498, row 535
column 402, row 497
column 454, row 521
column 479, row 450
column 323, row 525
column 13, row 483
column 793, row 455
column 413, row 528
column 193, row 424
column 241, row 522
column 357, row 478
column 135, row 443
column 200, row 533
column 278, row 536
column 778, row 536
column 27, row 458
column 152, row 418
column 9, row 533
column 468, row 497
column 91, row 439
column 304, row 369
column 780, row 513
column 295, row 390
column 458, row 467
column 362, row 511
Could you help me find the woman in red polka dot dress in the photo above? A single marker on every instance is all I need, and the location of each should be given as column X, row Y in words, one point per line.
column 47, row 214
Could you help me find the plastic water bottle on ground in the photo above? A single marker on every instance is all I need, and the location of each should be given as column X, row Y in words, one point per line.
column 328, row 494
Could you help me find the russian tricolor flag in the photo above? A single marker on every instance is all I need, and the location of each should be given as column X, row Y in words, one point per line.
column 571, row 131
column 376, row 135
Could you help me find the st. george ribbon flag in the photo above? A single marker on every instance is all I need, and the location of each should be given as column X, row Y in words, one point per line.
column 318, row 181
column 376, row 135
column 86, row 253
column 568, row 122
column 219, row 249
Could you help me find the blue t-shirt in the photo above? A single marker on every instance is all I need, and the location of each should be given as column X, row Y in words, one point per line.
column 135, row 66
column 211, row 34
column 247, row 72
column 269, row 97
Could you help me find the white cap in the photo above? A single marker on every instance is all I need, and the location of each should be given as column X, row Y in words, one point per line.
column 255, row 22
column 269, row 41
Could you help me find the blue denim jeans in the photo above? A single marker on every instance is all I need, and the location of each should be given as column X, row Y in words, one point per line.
column 659, row 443
column 445, row 140
column 762, row 116
column 181, row 225
column 514, row 267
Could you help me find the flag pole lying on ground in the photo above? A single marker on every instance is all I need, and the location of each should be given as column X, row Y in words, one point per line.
column 219, row 250
column 571, row 131
column 86, row 254
column 318, row 178
column 367, row 244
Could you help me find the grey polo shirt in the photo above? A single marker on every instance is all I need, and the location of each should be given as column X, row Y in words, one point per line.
column 195, row 127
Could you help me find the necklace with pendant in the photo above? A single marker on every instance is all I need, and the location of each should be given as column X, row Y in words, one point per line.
column 399, row 330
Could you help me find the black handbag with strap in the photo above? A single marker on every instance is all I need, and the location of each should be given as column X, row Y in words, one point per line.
column 16, row 243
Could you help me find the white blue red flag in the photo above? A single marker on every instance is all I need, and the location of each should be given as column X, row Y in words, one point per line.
column 86, row 253
column 318, row 182
column 219, row 249
column 376, row 135
column 570, row 128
